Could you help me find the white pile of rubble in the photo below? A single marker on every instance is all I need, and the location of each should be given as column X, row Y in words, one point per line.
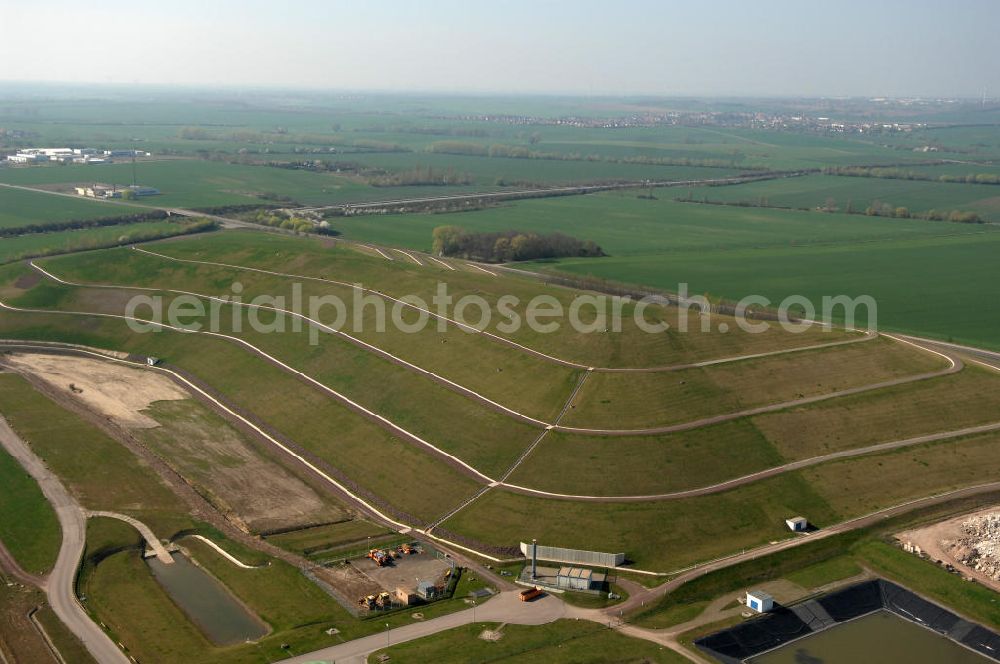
column 978, row 546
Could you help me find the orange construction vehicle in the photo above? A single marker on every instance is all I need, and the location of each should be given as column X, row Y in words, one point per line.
column 380, row 557
column 531, row 593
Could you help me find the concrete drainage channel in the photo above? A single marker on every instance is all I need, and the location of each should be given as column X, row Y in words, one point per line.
column 768, row 638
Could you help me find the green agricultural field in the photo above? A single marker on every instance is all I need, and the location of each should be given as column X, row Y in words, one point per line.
column 846, row 193
column 626, row 226
column 19, row 207
column 196, row 183
column 490, row 171
column 923, row 285
column 733, row 252
column 319, row 125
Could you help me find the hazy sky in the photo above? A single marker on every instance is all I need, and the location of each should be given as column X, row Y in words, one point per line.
column 693, row 47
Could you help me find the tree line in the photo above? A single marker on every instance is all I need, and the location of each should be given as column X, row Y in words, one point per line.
column 145, row 235
column 509, row 245
column 466, row 148
column 420, row 176
column 875, row 209
column 76, row 224
column 903, row 174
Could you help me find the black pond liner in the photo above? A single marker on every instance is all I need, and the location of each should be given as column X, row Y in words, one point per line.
column 786, row 624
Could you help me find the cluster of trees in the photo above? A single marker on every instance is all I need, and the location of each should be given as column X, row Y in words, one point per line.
column 902, row 174
column 509, row 245
column 877, row 209
column 75, row 224
column 420, row 176
column 274, row 220
column 466, row 148
column 288, row 223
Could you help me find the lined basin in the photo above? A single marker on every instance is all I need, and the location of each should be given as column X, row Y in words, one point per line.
column 878, row 638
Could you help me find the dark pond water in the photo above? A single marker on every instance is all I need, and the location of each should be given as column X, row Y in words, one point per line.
column 209, row 605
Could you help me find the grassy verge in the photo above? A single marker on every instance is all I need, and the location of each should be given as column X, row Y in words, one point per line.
column 589, row 601
column 824, row 573
column 562, row 642
column 28, row 525
column 833, row 559
column 328, row 537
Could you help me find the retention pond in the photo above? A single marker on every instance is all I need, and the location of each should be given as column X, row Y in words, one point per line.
column 209, row 605
column 872, row 622
column 877, row 638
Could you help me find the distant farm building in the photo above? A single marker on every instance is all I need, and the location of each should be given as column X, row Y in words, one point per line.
column 112, row 191
column 797, row 524
column 759, row 601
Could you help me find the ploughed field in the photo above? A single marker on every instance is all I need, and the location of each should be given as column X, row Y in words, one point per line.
column 599, row 439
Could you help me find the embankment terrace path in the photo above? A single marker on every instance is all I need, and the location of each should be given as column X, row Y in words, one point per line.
column 955, row 365
column 475, row 330
column 510, row 412
column 60, row 587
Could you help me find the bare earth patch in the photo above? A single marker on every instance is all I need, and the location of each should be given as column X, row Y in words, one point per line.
column 952, row 541
column 253, row 491
column 113, row 390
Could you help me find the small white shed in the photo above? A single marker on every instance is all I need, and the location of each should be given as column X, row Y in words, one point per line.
column 797, row 523
column 759, row 601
